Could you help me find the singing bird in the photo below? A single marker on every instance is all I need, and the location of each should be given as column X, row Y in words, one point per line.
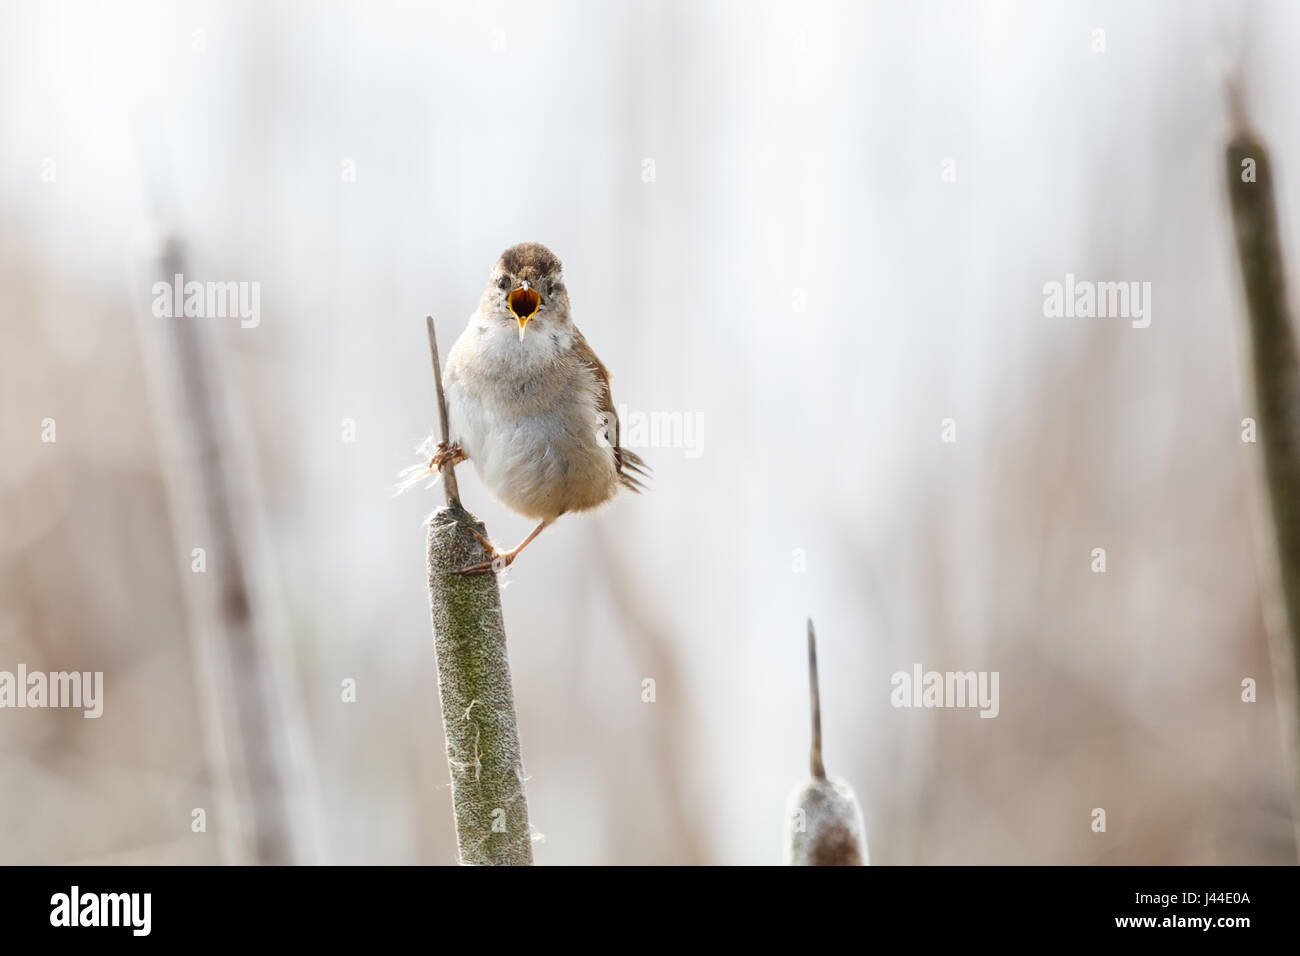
column 528, row 401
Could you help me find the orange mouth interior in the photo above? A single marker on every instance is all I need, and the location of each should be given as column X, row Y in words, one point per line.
column 524, row 302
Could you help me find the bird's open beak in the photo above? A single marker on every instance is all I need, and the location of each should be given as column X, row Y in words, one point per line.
column 524, row 303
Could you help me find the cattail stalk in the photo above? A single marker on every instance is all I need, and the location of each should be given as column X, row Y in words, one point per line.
column 478, row 701
column 823, row 825
column 1273, row 355
column 1276, row 366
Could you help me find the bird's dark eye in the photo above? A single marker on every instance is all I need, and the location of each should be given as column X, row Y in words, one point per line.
column 503, row 283
column 552, row 287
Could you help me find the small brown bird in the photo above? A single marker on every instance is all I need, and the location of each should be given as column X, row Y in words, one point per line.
column 529, row 402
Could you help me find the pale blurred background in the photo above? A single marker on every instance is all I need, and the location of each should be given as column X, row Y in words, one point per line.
column 749, row 203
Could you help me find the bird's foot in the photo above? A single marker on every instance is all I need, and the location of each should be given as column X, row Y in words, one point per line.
column 501, row 559
column 446, row 456
column 499, row 562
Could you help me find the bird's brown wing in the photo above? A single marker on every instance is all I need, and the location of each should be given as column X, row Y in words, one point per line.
column 630, row 466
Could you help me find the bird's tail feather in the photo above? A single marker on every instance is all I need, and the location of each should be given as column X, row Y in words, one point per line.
column 631, row 469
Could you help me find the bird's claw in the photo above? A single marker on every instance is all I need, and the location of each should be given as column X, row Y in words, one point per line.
column 500, row 559
column 445, row 456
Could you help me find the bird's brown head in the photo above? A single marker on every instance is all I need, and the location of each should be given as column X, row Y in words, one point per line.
column 527, row 285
